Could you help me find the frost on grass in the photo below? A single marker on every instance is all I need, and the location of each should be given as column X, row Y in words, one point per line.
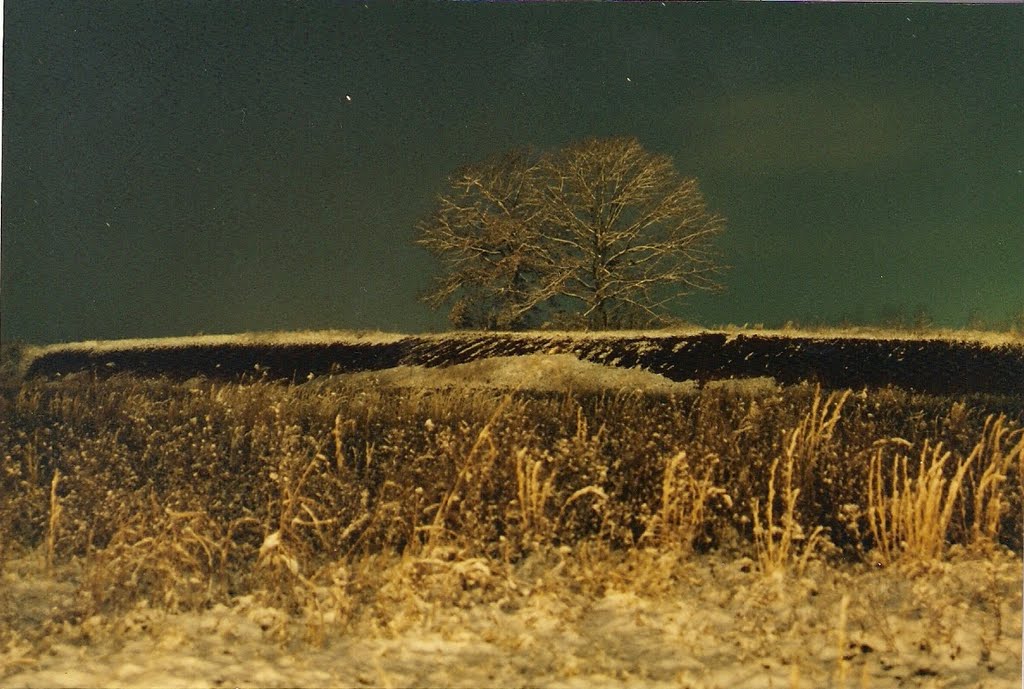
column 506, row 522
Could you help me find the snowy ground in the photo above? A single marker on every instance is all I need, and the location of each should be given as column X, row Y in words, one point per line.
column 541, row 372
column 715, row 621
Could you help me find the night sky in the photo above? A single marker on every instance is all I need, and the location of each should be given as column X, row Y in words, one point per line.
column 171, row 168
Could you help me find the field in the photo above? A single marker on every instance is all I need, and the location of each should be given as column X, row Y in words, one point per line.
column 940, row 362
column 524, row 520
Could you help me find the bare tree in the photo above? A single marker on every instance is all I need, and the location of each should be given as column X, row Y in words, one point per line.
column 602, row 230
column 633, row 235
column 486, row 231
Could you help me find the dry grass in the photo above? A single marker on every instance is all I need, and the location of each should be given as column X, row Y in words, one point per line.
column 910, row 513
column 777, row 544
column 184, row 495
column 53, row 521
column 173, row 559
column 911, row 521
column 999, row 451
column 682, row 511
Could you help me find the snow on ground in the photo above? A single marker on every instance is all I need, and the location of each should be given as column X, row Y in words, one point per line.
column 545, row 372
column 718, row 623
column 551, row 372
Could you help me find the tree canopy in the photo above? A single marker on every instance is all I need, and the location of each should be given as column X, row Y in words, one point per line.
column 599, row 234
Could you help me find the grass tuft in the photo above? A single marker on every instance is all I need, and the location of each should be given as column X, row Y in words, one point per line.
column 785, row 542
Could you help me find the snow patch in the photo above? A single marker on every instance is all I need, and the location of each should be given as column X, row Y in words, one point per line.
column 540, row 372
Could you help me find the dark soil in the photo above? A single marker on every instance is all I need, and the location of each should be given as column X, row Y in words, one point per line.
column 933, row 366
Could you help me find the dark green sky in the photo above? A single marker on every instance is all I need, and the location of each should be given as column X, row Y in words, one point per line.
column 177, row 167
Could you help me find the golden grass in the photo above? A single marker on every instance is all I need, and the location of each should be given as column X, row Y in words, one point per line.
column 998, row 450
column 184, row 495
column 910, row 514
column 173, row 559
column 786, row 543
column 911, row 521
column 53, row 522
column 682, row 511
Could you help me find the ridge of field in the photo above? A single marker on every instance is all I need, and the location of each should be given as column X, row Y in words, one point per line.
column 285, row 337
column 940, row 362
